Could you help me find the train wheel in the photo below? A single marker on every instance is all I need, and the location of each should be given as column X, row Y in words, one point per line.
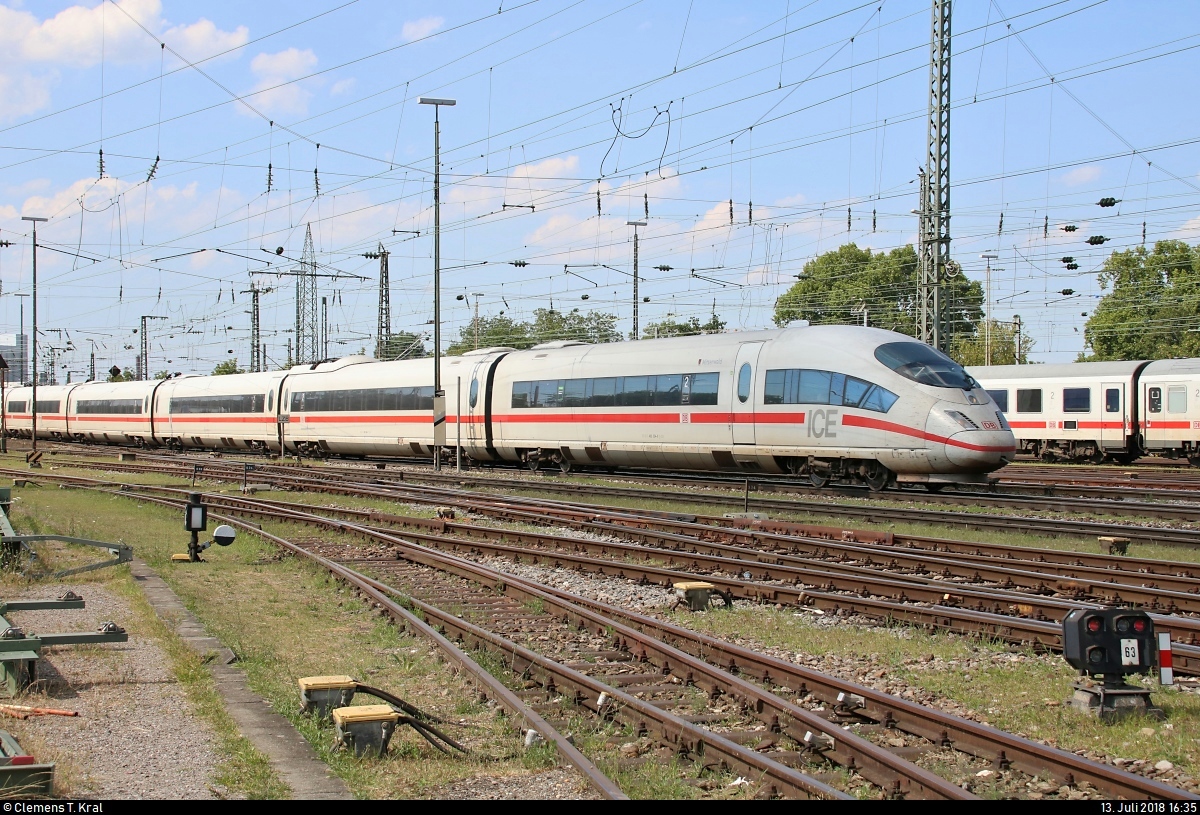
column 1098, row 457
column 532, row 461
column 818, row 479
column 935, row 488
column 878, row 477
column 564, row 465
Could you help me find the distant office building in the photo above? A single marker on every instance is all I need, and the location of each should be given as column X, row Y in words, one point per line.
column 15, row 350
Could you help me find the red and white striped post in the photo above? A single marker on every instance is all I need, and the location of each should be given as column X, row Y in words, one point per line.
column 1166, row 674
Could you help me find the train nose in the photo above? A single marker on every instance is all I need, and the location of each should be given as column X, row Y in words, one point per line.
column 973, row 442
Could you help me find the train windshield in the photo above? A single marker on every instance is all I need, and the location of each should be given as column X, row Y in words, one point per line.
column 923, row 364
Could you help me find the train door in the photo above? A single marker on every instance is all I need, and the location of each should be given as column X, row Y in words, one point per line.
column 473, row 433
column 745, row 374
column 1114, row 421
column 1155, row 425
column 283, row 417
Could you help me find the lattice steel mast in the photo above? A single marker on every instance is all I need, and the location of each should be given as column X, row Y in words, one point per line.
column 935, row 187
column 383, row 328
column 307, row 349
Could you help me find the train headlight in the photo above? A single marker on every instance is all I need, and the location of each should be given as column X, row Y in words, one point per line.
column 962, row 420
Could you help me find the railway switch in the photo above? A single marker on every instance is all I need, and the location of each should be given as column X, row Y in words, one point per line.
column 1110, row 644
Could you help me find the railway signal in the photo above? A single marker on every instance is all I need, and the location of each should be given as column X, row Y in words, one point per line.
column 195, row 521
column 1110, row 644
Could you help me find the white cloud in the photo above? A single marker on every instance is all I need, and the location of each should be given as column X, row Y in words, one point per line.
column 33, row 51
column 203, row 39
column 550, row 168
column 419, row 29
column 276, row 69
column 792, row 200
column 342, row 86
column 1081, row 175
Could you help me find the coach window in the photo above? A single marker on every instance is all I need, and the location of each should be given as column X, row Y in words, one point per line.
column 1001, row 399
column 604, row 391
column 270, row 401
column 474, row 397
column 1112, row 400
column 1155, row 400
column 1029, row 401
column 744, row 382
column 667, row 390
column 1077, row 400
column 1177, row 399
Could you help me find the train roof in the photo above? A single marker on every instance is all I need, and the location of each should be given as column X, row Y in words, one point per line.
column 1173, row 366
column 1066, row 370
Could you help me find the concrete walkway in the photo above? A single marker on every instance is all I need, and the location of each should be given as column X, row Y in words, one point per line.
column 290, row 755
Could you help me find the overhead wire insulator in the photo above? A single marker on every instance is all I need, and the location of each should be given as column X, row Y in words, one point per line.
column 520, row 264
column 731, row 210
column 1068, row 259
column 316, row 181
column 270, row 177
column 1068, row 227
column 102, row 162
column 1000, row 228
column 598, row 212
column 848, row 219
column 1109, row 202
column 1046, row 227
column 1096, row 240
column 873, row 220
column 153, row 170
column 646, row 201
column 1143, row 233
column 1067, row 292
column 1072, row 266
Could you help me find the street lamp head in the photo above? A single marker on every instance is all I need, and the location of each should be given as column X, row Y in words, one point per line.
column 428, row 100
column 989, row 256
column 635, row 223
column 31, row 218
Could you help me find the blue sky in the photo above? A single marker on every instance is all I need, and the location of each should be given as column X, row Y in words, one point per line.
column 805, row 108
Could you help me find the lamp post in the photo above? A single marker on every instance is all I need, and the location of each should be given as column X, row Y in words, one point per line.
column 987, row 325
column 34, row 412
column 635, row 225
column 439, row 396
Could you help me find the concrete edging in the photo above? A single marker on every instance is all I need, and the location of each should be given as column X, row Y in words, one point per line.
column 290, row 755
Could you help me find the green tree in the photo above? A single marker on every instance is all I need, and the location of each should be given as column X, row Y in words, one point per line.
column 126, row 375
column 671, row 327
column 1153, row 303
column 968, row 349
column 837, row 286
column 402, row 345
column 227, row 367
column 594, row 326
column 489, row 332
column 162, row 375
column 547, row 325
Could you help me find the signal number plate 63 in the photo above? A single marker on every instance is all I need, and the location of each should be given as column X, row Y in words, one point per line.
column 1129, row 652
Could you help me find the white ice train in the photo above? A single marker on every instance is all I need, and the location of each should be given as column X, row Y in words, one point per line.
column 828, row 402
column 1097, row 411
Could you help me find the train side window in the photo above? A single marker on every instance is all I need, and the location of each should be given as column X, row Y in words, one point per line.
column 1154, row 397
column 1077, row 400
column 1001, row 399
column 744, row 382
column 1029, row 400
column 814, row 387
column 473, row 398
column 704, row 389
column 856, row 389
column 1177, row 399
column 604, row 391
column 520, row 395
column 1112, row 400
column 773, row 392
column 667, row 390
column 837, row 382
column 574, row 393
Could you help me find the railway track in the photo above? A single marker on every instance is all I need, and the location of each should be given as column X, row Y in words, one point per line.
column 693, row 693
column 876, row 578
column 1049, row 527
